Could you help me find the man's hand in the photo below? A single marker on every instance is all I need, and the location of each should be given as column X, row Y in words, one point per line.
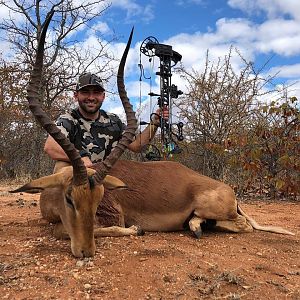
column 156, row 117
column 149, row 132
column 87, row 162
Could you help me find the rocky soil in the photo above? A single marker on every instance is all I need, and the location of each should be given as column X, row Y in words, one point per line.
column 258, row 265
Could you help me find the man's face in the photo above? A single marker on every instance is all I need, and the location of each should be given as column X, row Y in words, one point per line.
column 90, row 99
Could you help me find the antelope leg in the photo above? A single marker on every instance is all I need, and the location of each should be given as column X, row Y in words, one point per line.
column 118, row 231
column 60, row 233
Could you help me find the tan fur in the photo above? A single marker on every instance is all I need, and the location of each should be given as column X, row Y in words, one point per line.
column 74, row 217
column 162, row 196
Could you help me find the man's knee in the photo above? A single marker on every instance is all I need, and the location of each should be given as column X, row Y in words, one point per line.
column 59, row 165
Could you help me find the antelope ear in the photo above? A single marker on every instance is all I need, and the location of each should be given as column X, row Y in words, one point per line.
column 112, row 183
column 38, row 185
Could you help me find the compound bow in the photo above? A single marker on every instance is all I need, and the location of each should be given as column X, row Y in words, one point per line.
column 151, row 47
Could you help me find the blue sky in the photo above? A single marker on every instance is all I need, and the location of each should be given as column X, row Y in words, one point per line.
column 259, row 29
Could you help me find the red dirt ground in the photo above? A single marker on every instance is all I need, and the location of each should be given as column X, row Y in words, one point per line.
column 258, row 265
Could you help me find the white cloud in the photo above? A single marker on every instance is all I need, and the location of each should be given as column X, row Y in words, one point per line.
column 134, row 87
column 273, row 8
column 286, row 71
column 134, row 9
column 280, row 33
column 102, row 27
column 235, row 30
column 6, row 13
column 249, row 38
column 285, row 41
column 289, row 89
column 289, row 85
column 293, row 88
column 5, row 50
column 113, row 107
column 193, row 47
column 192, row 2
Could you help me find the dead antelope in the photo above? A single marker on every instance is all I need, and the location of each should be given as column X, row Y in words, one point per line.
column 165, row 196
column 80, row 190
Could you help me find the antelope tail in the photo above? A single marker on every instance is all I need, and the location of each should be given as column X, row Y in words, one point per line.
column 256, row 226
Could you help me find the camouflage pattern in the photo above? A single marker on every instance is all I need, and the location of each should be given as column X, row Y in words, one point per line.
column 96, row 138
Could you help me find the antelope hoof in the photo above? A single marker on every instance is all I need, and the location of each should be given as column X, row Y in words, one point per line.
column 198, row 233
column 137, row 230
column 140, row 231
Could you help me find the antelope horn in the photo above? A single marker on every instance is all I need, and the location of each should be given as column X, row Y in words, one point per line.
column 33, row 96
column 102, row 168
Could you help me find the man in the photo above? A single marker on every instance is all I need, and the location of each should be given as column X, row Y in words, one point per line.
column 93, row 131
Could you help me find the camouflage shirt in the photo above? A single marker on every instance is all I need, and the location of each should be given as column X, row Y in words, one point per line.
column 93, row 138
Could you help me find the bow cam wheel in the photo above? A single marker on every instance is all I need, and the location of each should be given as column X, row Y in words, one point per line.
column 147, row 46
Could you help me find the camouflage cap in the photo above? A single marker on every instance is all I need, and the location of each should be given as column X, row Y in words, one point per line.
column 89, row 79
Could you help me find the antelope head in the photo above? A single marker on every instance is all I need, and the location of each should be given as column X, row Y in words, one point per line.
column 81, row 189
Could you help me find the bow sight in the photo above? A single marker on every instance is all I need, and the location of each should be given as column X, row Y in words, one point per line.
column 168, row 91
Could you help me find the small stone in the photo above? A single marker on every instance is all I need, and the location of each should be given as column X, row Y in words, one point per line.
column 87, row 286
column 246, row 287
column 143, row 258
column 80, row 263
column 90, row 264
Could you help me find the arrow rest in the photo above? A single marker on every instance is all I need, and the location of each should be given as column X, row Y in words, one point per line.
column 150, row 152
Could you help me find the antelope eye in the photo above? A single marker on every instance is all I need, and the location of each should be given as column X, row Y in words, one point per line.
column 69, row 202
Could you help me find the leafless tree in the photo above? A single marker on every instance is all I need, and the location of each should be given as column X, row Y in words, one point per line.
column 66, row 57
column 219, row 103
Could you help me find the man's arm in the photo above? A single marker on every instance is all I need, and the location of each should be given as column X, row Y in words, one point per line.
column 143, row 138
column 148, row 133
column 55, row 151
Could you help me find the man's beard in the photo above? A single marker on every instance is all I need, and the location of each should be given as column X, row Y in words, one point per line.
column 88, row 110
